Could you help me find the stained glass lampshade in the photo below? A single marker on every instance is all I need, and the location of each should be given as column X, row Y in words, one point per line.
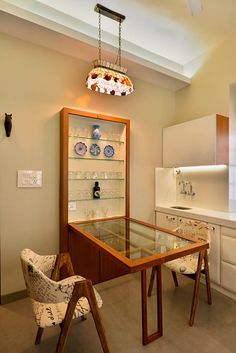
column 109, row 78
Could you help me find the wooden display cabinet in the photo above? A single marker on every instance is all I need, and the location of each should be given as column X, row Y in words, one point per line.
column 83, row 161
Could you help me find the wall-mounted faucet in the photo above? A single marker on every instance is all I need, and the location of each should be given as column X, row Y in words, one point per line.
column 190, row 191
column 183, row 184
column 186, row 185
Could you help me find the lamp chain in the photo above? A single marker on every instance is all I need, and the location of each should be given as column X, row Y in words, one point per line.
column 119, row 51
column 99, row 37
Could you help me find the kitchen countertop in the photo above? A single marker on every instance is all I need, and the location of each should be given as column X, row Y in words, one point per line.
column 227, row 219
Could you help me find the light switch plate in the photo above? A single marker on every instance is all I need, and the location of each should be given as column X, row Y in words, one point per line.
column 29, row 178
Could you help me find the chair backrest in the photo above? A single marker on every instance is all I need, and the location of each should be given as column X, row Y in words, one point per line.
column 197, row 230
column 39, row 286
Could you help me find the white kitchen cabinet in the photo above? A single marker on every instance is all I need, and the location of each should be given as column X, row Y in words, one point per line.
column 228, row 275
column 169, row 221
column 164, row 220
column 203, row 141
column 228, row 258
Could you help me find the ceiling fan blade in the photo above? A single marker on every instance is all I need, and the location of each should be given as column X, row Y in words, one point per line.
column 195, row 6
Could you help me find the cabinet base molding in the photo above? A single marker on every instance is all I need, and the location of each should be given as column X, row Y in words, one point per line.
column 12, row 297
column 222, row 290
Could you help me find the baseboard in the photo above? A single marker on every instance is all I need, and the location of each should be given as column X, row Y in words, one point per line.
column 220, row 289
column 8, row 298
column 223, row 291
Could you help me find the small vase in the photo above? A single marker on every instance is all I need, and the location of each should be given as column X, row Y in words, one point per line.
column 96, row 134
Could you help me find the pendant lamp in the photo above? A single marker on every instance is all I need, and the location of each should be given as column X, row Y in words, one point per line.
column 106, row 77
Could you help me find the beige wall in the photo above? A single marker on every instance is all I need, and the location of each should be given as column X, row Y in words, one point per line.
column 209, row 90
column 35, row 84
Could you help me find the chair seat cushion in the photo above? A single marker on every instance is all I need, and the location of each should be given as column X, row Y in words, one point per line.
column 184, row 265
column 50, row 314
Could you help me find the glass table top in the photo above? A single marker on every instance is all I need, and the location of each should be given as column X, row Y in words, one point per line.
column 131, row 239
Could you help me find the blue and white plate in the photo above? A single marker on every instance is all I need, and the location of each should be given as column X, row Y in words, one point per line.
column 109, row 151
column 80, row 148
column 95, row 150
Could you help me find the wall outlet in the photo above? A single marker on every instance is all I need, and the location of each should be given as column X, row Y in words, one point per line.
column 72, row 206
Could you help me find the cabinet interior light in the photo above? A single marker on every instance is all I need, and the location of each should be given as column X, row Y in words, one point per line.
column 201, row 168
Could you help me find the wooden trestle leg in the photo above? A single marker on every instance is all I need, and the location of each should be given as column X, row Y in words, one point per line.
column 145, row 337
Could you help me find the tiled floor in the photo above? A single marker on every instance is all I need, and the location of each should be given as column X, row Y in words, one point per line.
column 214, row 329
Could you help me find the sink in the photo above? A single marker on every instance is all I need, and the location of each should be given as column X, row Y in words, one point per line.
column 181, row 207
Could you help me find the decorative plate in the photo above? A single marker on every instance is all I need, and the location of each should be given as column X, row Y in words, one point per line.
column 80, row 148
column 95, row 150
column 109, row 151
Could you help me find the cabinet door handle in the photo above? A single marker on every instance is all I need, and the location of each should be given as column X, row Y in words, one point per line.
column 198, row 222
column 170, row 218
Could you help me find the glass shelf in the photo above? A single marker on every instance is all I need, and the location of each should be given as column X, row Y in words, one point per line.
column 103, row 198
column 80, row 177
column 91, row 138
column 98, row 159
column 83, row 179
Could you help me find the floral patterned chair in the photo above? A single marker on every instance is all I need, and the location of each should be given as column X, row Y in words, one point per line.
column 188, row 265
column 57, row 302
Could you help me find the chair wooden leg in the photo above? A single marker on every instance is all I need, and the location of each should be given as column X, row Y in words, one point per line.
column 152, row 278
column 82, row 289
column 196, row 287
column 63, row 336
column 96, row 316
column 39, row 335
column 65, row 325
column 175, row 278
column 207, row 276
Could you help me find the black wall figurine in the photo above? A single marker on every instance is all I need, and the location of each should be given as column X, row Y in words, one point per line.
column 8, row 124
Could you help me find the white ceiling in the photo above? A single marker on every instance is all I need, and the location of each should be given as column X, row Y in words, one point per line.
column 158, row 34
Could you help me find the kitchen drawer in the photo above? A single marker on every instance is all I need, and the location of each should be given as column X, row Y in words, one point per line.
column 165, row 220
column 228, row 249
column 228, row 276
column 230, row 232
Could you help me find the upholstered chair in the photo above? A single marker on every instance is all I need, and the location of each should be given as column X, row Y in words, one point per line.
column 57, row 302
column 188, row 265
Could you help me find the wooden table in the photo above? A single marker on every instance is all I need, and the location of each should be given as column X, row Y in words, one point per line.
column 137, row 246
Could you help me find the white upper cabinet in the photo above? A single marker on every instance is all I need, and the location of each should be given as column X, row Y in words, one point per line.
column 203, row 141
